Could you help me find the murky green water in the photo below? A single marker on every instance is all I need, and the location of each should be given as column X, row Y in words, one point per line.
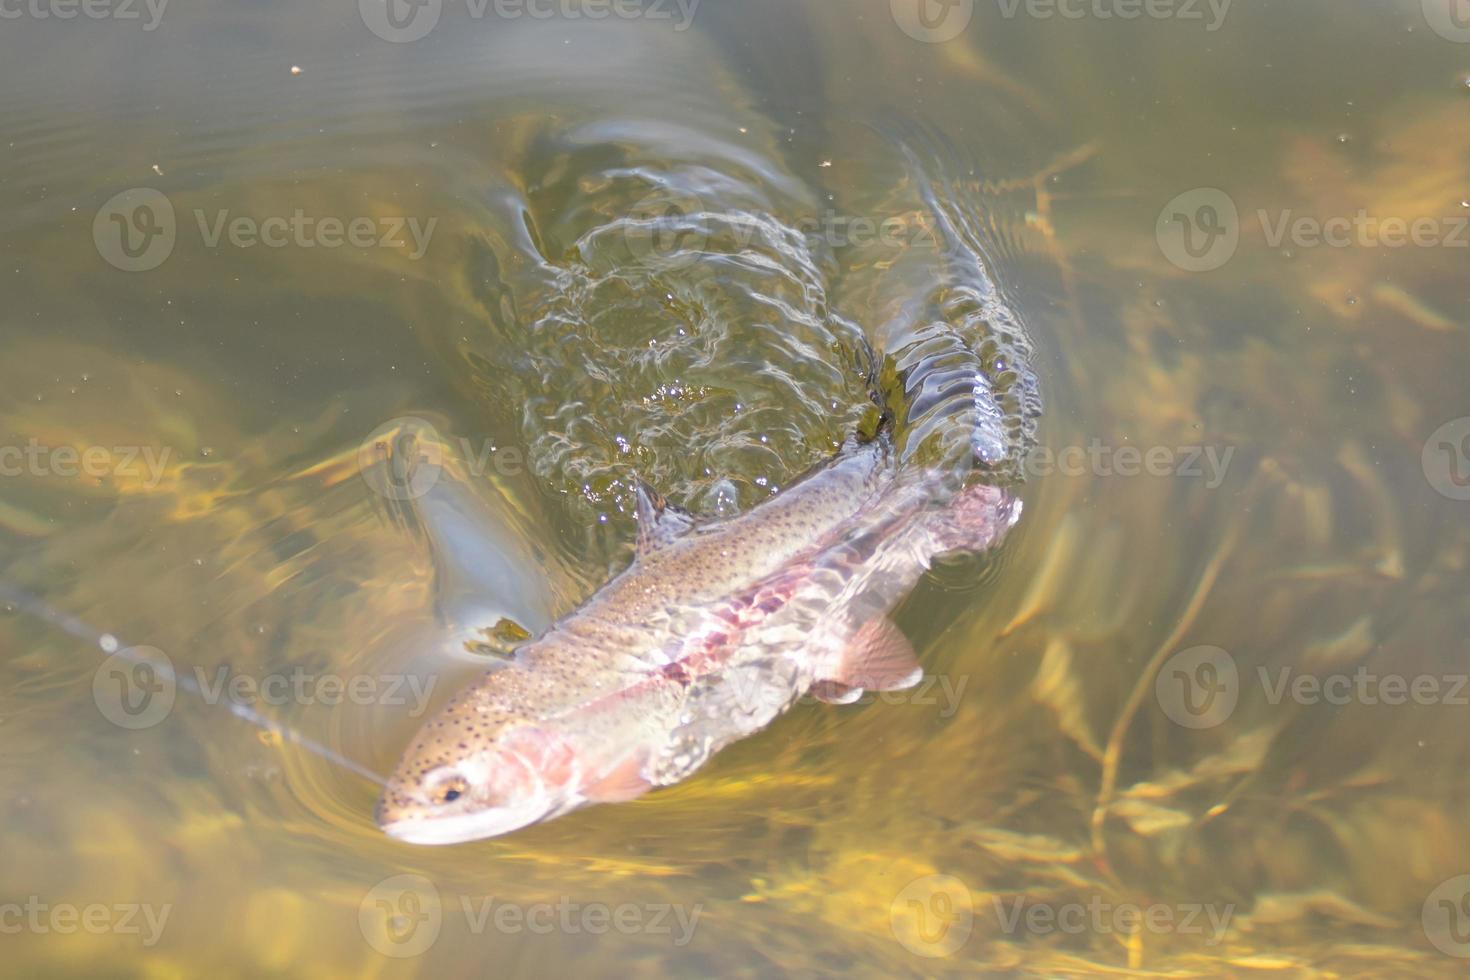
column 1202, row 716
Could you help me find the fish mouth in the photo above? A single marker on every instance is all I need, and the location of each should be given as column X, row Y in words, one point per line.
column 460, row 828
column 471, row 825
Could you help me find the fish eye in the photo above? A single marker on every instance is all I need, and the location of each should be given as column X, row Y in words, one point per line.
column 450, row 789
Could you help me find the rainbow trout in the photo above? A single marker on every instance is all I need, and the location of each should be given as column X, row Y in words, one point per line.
column 713, row 631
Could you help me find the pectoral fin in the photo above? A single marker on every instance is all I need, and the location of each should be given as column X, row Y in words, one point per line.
column 625, row 781
column 879, row 658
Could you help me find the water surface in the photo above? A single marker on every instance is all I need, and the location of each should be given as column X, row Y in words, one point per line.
column 563, row 251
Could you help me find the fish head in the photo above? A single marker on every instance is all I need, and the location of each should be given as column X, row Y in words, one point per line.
column 460, row 781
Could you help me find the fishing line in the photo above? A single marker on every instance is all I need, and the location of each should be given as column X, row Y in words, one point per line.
column 112, row 646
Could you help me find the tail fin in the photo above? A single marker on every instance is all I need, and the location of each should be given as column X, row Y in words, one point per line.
column 976, row 519
column 959, row 377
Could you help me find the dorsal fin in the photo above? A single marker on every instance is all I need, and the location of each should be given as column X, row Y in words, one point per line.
column 659, row 522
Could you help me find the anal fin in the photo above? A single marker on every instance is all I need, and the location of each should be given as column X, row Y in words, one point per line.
column 879, row 658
